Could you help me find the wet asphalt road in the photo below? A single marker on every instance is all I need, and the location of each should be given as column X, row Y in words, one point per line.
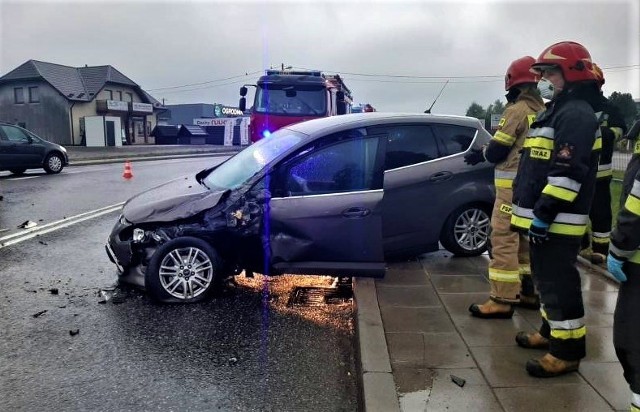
column 245, row 350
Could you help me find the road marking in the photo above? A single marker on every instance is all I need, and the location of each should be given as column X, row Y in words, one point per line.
column 23, row 178
column 60, row 224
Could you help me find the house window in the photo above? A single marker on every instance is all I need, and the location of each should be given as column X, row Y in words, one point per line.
column 18, row 95
column 109, row 94
column 120, row 95
column 34, row 97
column 129, row 97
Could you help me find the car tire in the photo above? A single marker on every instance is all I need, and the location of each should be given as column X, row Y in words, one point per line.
column 54, row 163
column 190, row 280
column 17, row 172
column 466, row 230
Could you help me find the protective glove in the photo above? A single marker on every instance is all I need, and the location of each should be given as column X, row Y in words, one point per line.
column 614, row 266
column 474, row 157
column 538, row 232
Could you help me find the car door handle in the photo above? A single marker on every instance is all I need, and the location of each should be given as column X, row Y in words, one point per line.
column 354, row 212
column 440, row 176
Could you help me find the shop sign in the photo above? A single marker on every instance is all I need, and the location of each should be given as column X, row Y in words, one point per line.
column 142, row 107
column 225, row 111
column 210, row 122
column 117, row 106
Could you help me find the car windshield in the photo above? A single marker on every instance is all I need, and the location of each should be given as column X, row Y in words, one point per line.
column 241, row 167
column 291, row 101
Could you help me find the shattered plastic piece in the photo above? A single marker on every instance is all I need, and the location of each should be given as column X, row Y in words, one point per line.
column 74, row 332
column 42, row 242
column 458, row 381
column 233, row 361
column 27, row 224
column 38, row 314
column 54, row 291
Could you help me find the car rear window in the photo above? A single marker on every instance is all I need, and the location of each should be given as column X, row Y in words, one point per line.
column 454, row 139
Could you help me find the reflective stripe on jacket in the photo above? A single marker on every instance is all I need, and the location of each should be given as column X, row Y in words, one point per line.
column 504, row 147
column 625, row 238
column 556, row 178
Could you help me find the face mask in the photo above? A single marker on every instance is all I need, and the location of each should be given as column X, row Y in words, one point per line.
column 546, row 89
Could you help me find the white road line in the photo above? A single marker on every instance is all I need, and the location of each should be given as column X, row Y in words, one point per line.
column 23, row 178
column 60, row 224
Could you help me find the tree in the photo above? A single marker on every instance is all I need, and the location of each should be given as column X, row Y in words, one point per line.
column 624, row 102
column 477, row 111
column 496, row 108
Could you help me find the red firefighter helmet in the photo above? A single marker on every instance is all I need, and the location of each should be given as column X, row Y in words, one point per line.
column 572, row 58
column 519, row 72
column 599, row 75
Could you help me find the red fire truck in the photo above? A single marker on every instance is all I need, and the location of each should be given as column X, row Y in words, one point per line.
column 284, row 97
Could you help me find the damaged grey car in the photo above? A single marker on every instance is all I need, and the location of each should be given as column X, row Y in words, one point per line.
column 333, row 196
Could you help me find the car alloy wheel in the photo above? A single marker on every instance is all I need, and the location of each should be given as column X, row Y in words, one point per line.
column 471, row 229
column 466, row 230
column 182, row 270
column 54, row 164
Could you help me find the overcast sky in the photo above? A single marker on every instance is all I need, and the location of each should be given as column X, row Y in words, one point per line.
column 160, row 45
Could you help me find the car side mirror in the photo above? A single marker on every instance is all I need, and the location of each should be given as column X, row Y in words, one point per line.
column 243, row 91
column 243, row 104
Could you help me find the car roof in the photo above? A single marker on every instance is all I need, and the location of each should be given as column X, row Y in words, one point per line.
column 333, row 124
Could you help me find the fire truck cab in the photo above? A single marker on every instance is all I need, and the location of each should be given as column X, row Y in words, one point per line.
column 285, row 97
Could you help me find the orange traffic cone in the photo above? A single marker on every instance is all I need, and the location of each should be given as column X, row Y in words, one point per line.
column 127, row 170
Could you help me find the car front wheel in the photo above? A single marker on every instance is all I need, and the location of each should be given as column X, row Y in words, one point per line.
column 53, row 163
column 183, row 270
column 466, row 231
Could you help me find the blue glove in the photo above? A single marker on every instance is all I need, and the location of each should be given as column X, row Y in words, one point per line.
column 614, row 266
column 538, row 232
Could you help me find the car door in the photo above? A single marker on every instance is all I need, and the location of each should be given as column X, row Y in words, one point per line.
column 325, row 211
column 419, row 178
column 21, row 151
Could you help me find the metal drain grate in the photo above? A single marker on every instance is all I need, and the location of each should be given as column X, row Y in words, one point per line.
column 312, row 296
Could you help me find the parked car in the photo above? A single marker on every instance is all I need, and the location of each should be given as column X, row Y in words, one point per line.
column 21, row 149
column 332, row 196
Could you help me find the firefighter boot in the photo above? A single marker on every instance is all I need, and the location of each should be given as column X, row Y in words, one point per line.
column 549, row 366
column 529, row 302
column 532, row 340
column 491, row 310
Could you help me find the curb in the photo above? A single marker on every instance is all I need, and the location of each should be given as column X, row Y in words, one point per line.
column 597, row 269
column 377, row 390
column 146, row 158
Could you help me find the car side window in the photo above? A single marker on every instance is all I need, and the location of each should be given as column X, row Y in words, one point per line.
column 407, row 144
column 345, row 166
column 454, row 139
column 13, row 134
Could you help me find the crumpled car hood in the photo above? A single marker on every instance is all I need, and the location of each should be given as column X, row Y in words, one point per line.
column 177, row 199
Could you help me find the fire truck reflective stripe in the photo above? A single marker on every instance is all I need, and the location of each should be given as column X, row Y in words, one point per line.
column 617, row 131
column 539, row 143
column 566, row 334
column 503, row 138
column 530, row 119
column 560, row 193
column 622, row 253
column 547, row 132
column 512, row 276
column 633, row 205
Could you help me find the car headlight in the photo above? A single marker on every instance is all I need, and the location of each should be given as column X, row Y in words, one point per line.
column 138, row 235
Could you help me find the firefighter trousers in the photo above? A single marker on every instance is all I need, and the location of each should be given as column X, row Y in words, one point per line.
column 556, row 276
column 600, row 215
column 509, row 270
column 626, row 333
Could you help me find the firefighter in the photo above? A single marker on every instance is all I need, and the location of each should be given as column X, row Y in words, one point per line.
column 612, row 128
column 510, row 250
column 624, row 264
column 552, row 196
column 634, row 164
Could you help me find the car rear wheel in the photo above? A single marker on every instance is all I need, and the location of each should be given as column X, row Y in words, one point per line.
column 53, row 163
column 17, row 171
column 466, row 231
column 183, row 270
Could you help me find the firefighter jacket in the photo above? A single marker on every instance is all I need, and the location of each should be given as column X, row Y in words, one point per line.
column 556, row 177
column 612, row 128
column 634, row 134
column 625, row 239
column 505, row 145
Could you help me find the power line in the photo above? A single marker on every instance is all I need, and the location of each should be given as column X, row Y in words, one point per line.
column 207, row 82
